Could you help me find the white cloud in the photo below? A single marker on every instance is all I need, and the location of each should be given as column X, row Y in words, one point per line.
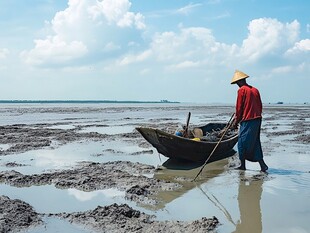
column 213, row 2
column 83, row 28
column 117, row 11
column 267, row 36
column 188, row 9
column 299, row 47
column 3, row 53
column 86, row 196
column 145, row 71
column 111, row 47
column 282, row 70
column 290, row 69
column 191, row 47
column 53, row 50
column 192, row 42
column 184, row 65
column 222, row 16
column 129, row 59
column 197, row 48
column 301, row 67
column 130, row 18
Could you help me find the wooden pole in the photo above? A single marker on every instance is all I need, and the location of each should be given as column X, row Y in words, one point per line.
column 185, row 133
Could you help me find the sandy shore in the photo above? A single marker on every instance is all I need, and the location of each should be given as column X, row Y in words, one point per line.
column 132, row 178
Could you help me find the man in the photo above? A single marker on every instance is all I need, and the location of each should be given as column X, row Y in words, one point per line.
column 249, row 116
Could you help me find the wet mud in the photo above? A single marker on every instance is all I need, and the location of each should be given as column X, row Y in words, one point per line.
column 122, row 218
column 22, row 138
column 299, row 127
column 16, row 215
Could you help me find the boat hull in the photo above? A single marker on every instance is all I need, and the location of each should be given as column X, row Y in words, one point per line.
column 176, row 147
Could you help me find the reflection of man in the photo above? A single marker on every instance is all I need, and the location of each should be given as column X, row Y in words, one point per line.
column 249, row 196
column 249, row 115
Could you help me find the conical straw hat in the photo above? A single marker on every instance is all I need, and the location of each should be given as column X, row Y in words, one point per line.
column 238, row 76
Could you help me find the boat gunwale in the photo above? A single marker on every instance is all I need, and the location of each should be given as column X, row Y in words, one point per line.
column 161, row 132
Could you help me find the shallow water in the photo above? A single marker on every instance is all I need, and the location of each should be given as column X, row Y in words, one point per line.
column 48, row 199
column 277, row 203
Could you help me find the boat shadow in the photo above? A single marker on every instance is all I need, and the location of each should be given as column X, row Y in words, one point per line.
column 179, row 164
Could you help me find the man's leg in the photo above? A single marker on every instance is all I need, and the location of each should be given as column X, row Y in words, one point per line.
column 263, row 165
column 242, row 166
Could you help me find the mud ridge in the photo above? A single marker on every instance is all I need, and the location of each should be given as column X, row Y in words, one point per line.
column 16, row 215
column 122, row 219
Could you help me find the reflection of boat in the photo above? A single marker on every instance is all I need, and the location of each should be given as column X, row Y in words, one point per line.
column 172, row 170
column 176, row 147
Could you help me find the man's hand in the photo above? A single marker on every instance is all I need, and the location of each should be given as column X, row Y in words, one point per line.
column 234, row 125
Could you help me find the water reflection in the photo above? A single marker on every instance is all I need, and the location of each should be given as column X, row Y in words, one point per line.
column 49, row 199
column 249, row 196
column 184, row 172
column 86, row 196
column 219, row 205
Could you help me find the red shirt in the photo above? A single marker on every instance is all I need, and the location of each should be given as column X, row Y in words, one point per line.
column 249, row 105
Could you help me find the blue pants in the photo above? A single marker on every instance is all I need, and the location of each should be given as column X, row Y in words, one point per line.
column 249, row 145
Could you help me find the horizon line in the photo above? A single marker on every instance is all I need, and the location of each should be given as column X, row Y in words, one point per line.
column 87, row 101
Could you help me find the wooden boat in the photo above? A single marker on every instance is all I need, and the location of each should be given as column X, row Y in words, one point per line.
column 176, row 147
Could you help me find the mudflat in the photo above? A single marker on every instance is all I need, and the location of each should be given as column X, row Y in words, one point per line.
column 122, row 160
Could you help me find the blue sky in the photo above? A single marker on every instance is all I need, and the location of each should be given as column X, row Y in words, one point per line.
column 151, row 50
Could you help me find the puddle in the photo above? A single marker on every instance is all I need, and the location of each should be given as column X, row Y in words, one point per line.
column 49, row 199
column 66, row 156
column 4, row 146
